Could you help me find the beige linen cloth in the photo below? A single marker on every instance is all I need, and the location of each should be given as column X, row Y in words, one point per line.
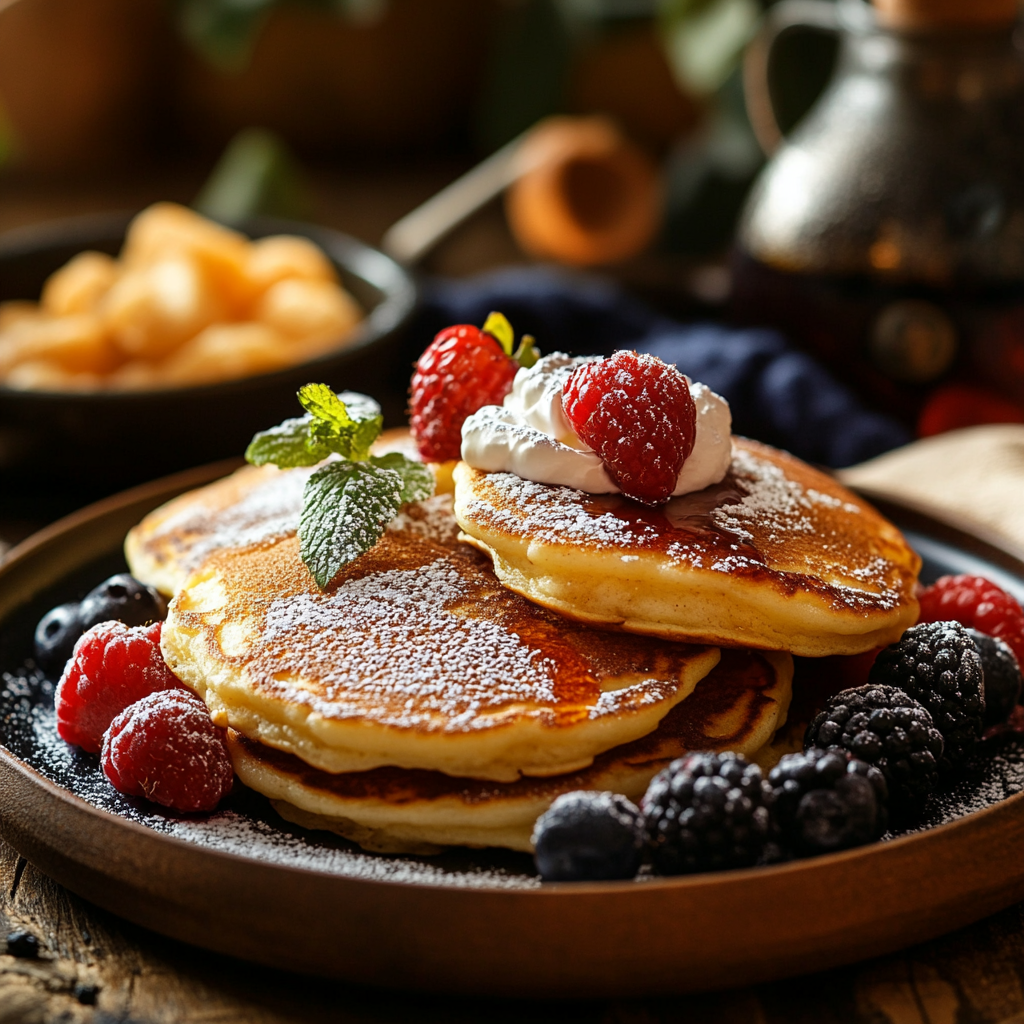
column 974, row 476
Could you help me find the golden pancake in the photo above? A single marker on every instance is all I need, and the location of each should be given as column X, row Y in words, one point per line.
column 737, row 707
column 414, row 657
column 252, row 506
column 777, row 557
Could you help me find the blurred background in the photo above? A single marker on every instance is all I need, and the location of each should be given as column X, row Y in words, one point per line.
column 833, row 191
column 112, row 104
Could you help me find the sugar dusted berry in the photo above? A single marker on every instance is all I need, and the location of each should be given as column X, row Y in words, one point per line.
column 113, row 665
column 976, row 602
column 937, row 663
column 166, row 748
column 588, row 835
column 706, row 812
column 888, row 729
column 462, row 370
column 637, row 413
column 826, row 800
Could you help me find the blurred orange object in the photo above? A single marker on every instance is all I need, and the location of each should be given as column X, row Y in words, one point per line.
column 589, row 196
column 963, row 405
column 910, row 14
column 76, row 78
column 626, row 75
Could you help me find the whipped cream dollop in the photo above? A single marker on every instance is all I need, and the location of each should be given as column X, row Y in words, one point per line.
column 530, row 436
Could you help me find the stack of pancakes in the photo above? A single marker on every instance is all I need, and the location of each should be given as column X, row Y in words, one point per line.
column 441, row 692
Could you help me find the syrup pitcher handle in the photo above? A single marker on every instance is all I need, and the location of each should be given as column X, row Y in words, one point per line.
column 782, row 18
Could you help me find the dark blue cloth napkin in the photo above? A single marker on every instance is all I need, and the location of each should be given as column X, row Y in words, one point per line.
column 778, row 394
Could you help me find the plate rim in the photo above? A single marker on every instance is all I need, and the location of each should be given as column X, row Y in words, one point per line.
column 926, row 519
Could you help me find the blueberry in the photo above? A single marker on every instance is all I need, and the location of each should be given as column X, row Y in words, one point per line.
column 123, row 598
column 55, row 636
column 586, row 836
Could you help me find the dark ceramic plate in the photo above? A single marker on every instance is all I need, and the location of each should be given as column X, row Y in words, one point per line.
column 127, row 437
column 242, row 881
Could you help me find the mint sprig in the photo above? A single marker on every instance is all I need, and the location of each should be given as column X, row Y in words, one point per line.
column 347, row 503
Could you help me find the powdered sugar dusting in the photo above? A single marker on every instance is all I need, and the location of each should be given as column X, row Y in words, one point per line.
column 771, row 519
column 246, row 827
column 773, row 502
column 429, row 648
column 403, row 614
column 268, row 511
column 431, row 519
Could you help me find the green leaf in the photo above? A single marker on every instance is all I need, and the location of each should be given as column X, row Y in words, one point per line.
column 223, row 31
column 346, row 507
column 324, row 405
column 256, row 175
column 527, row 355
column 417, row 479
column 347, row 431
column 286, row 445
column 704, row 39
column 498, row 327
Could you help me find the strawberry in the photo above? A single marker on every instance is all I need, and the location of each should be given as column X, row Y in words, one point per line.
column 463, row 369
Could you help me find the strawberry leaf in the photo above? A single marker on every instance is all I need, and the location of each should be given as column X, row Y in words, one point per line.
column 498, row 327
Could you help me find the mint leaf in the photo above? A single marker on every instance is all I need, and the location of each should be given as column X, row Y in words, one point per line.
column 417, row 479
column 324, row 405
column 286, row 445
column 346, row 507
column 347, row 431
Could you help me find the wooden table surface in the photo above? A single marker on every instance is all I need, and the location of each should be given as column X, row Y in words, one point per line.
column 94, row 967
column 973, row 976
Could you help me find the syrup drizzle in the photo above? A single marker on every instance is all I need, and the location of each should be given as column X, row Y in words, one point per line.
column 419, row 634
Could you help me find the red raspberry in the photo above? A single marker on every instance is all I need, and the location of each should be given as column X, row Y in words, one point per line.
column 166, row 748
column 112, row 666
column 637, row 413
column 976, row 602
column 963, row 405
column 461, row 371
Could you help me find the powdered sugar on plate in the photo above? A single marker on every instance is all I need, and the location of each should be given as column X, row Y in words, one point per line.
column 246, row 826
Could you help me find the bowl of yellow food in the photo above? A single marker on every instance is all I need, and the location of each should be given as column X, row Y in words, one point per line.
column 136, row 345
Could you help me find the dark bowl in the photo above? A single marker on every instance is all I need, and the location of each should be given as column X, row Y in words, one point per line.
column 104, row 440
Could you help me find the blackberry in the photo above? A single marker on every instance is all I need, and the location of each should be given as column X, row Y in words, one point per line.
column 888, row 729
column 587, row 836
column 706, row 812
column 825, row 800
column 55, row 637
column 124, row 599
column 938, row 665
column 1002, row 677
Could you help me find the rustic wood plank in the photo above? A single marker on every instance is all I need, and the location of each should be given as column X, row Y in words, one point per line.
column 975, row 976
